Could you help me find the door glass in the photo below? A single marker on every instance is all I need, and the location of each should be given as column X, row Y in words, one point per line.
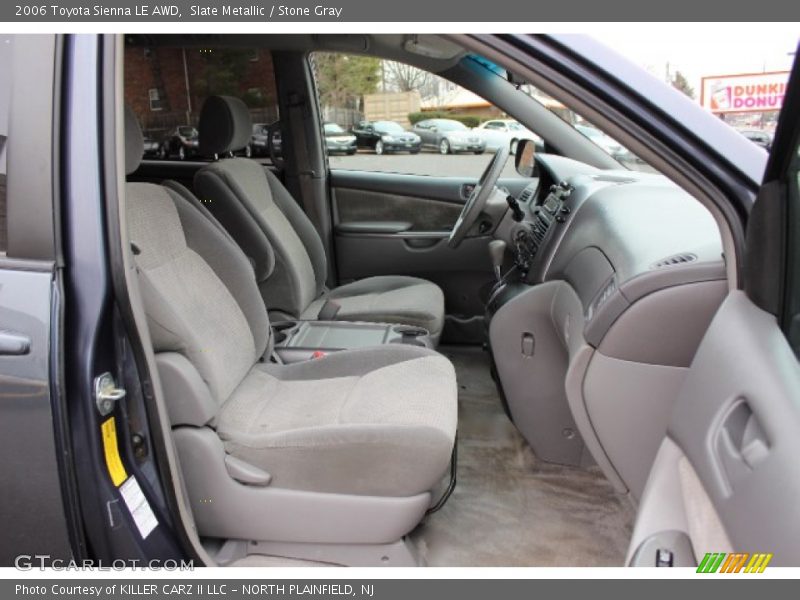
column 166, row 86
column 421, row 124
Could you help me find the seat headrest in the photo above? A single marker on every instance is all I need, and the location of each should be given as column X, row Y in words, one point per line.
column 225, row 125
column 134, row 142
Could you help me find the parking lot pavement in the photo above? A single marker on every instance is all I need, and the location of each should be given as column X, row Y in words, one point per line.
column 424, row 163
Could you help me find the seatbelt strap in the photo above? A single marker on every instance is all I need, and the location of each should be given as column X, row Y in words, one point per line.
column 328, row 311
column 305, row 174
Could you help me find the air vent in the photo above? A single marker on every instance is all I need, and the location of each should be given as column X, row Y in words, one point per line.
column 539, row 229
column 677, row 259
column 526, row 194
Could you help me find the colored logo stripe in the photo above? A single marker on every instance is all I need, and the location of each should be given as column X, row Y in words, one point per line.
column 758, row 563
column 723, row 562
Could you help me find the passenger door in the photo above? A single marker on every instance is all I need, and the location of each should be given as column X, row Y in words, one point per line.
column 726, row 480
column 393, row 213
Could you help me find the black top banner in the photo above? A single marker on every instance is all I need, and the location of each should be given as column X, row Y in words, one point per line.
column 388, row 11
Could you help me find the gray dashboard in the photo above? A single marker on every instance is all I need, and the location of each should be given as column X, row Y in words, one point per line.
column 618, row 274
column 614, row 236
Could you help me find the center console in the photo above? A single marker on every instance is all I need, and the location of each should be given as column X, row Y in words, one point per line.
column 296, row 341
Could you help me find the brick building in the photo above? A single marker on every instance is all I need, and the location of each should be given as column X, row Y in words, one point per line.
column 166, row 86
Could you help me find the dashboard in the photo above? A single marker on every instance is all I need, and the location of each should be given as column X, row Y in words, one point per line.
column 634, row 219
column 616, row 276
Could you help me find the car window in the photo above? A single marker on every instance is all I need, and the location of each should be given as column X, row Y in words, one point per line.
column 166, row 86
column 334, row 128
column 422, row 123
column 388, row 127
column 6, row 48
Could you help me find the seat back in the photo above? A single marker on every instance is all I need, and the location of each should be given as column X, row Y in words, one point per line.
column 258, row 211
column 198, row 288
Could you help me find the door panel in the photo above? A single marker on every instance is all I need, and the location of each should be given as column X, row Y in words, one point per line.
column 428, row 207
column 447, row 189
column 736, row 422
column 424, row 214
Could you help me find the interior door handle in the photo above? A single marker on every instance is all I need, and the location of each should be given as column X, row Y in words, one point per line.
column 740, row 443
column 14, row 344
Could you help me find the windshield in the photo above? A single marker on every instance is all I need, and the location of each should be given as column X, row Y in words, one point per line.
column 589, row 132
column 388, row 127
column 333, row 128
column 450, row 126
column 187, row 131
column 602, row 140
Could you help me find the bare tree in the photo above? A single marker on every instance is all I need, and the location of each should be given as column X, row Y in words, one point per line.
column 399, row 77
column 680, row 82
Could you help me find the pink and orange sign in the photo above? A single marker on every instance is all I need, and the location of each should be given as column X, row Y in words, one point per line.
column 750, row 92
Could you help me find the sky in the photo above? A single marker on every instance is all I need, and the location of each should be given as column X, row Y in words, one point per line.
column 698, row 50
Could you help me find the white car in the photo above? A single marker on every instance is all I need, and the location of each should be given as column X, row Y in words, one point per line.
column 606, row 142
column 504, row 132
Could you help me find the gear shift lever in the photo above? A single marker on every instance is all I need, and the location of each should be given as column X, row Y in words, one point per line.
column 497, row 252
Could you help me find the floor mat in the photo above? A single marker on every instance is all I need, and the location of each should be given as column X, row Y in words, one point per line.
column 511, row 509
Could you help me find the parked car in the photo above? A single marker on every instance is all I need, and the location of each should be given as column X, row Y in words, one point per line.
column 385, row 137
column 259, row 140
column 337, row 140
column 448, row 136
column 500, row 133
column 759, row 137
column 151, row 147
column 181, row 143
column 606, row 142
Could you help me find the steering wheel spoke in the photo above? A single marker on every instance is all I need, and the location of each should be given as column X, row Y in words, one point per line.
column 478, row 197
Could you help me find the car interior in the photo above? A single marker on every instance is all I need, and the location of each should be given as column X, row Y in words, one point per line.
column 374, row 368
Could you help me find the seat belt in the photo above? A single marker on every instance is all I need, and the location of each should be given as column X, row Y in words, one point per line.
column 305, row 174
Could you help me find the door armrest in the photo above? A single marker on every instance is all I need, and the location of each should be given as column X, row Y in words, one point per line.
column 373, row 227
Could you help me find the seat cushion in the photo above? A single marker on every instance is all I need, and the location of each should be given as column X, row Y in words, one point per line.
column 379, row 421
column 387, row 299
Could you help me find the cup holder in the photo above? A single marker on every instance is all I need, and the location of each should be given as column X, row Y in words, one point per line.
column 411, row 335
column 281, row 329
column 411, row 331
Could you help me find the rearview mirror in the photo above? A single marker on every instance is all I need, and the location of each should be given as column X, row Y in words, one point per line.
column 524, row 158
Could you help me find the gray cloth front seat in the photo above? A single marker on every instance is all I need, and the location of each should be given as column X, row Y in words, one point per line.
column 379, row 422
column 291, row 267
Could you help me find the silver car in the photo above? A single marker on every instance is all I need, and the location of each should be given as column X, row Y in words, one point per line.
column 449, row 136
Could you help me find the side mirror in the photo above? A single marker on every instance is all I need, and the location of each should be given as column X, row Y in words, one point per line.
column 433, row 128
column 524, row 158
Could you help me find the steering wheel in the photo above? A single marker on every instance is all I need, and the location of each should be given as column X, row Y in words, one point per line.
column 478, row 197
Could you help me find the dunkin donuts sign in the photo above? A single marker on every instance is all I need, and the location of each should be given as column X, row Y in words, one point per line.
column 757, row 92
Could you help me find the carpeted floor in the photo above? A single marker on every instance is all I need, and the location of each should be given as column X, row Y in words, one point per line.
column 510, row 509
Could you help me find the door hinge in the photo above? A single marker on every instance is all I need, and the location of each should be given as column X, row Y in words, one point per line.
column 106, row 393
